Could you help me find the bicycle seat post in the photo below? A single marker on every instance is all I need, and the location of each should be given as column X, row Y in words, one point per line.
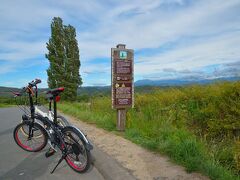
column 36, row 95
column 55, row 109
column 50, row 105
column 54, row 96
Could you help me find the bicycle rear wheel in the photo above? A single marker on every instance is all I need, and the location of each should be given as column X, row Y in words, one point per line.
column 78, row 157
column 62, row 121
column 36, row 142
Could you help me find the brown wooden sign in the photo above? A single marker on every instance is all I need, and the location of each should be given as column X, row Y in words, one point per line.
column 122, row 77
column 123, row 67
column 123, row 94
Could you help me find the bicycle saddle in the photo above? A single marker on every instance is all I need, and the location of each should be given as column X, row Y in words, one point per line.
column 56, row 91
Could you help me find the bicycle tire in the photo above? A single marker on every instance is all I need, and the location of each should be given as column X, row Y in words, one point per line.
column 77, row 146
column 62, row 121
column 38, row 131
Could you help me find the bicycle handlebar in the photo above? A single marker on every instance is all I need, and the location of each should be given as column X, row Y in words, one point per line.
column 34, row 83
column 30, row 85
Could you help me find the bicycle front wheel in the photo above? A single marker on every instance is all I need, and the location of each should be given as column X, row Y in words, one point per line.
column 24, row 129
column 78, row 157
column 34, row 141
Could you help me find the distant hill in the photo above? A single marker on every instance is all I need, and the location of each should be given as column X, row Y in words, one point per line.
column 143, row 86
column 92, row 90
column 179, row 82
column 7, row 91
column 97, row 90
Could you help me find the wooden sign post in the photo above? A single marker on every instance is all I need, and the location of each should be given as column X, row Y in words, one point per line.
column 122, row 82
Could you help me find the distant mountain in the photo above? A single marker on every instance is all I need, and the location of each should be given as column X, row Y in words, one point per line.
column 143, row 86
column 91, row 90
column 7, row 91
column 180, row 82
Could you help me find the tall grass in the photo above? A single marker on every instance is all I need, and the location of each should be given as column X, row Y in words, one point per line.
column 6, row 102
column 196, row 126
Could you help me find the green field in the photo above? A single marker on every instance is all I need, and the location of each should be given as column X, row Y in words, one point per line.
column 196, row 126
column 6, row 102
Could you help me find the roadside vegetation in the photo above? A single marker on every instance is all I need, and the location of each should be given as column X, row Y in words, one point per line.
column 196, row 126
column 6, row 102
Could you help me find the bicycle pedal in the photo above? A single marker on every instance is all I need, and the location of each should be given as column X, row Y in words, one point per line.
column 49, row 153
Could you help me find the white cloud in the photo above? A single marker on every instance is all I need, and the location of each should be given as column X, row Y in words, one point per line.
column 154, row 28
column 218, row 50
column 22, row 51
column 201, row 32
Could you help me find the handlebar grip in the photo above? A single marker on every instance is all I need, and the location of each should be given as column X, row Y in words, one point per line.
column 34, row 83
column 38, row 81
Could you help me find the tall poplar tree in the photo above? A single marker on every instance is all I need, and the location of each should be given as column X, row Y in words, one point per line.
column 56, row 54
column 63, row 56
column 72, row 76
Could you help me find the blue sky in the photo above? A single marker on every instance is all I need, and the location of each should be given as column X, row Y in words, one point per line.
column 187, row 39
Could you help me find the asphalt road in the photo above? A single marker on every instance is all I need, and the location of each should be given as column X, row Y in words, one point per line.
column 16, row 163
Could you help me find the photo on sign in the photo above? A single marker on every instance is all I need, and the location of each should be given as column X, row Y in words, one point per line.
column 123, row 55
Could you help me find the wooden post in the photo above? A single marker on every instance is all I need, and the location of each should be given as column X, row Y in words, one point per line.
column 121, row 119
column 122, row 82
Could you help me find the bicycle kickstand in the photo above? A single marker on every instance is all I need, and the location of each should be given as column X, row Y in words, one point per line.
column 60, row 160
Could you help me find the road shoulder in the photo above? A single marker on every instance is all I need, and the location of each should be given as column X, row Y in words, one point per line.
column 136, row 162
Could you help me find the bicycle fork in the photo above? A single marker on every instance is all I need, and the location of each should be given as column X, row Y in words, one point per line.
column 30, row 131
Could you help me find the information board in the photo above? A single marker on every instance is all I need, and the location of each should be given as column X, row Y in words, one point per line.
column 122, row 77
column 123, row 94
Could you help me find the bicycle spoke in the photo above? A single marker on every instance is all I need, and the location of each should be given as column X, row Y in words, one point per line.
column 30, row 144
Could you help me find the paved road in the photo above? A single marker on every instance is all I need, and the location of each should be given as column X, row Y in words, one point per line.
column 16, row 163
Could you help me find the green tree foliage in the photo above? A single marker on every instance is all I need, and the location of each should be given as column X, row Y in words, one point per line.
column 63, row 55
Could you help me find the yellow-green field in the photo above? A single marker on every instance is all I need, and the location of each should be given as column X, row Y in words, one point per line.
column 196, row 126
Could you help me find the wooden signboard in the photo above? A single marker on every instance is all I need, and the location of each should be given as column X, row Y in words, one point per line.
column 122, row 77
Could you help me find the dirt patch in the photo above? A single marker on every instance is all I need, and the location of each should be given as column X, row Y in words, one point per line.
column 142, row 163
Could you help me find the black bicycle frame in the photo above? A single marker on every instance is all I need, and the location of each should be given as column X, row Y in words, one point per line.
column 32, row 110
column 53, row 125
column 54, row 110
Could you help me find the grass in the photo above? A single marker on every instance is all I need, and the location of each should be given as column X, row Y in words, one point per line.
column 5, row 105
column 6, row 102
column 196, row 126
